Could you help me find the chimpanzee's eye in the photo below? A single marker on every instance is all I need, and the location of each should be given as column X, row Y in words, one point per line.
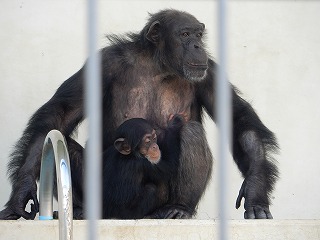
column 186, row 34
column 199, row 35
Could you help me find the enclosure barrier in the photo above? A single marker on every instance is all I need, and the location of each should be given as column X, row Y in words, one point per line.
column 55, row 153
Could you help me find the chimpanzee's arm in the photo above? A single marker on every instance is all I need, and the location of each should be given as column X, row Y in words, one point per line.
column 253, row 144
column 64, row 111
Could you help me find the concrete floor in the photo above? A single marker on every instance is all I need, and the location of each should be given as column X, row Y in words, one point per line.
column 167, row 229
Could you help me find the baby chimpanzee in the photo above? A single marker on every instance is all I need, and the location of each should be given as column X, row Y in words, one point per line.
column 137, row 171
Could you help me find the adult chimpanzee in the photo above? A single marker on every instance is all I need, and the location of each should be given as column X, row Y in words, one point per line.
column 143, row 183
column 161, row 71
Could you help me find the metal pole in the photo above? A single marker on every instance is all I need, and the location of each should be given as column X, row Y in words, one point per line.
column 223, row 116
column 55, row 155
column 93, row 108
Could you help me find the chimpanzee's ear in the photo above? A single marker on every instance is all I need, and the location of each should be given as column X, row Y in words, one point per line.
column 122, row 145
column 153, row 34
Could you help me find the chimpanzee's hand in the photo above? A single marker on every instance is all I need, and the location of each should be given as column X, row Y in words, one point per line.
column 21, row 194
column 254, row 209
column 176, row 121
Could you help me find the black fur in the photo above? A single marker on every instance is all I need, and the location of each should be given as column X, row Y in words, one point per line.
column 133, row 187
column 161, row 71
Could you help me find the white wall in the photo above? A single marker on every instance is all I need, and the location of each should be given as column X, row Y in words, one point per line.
column 274, row 53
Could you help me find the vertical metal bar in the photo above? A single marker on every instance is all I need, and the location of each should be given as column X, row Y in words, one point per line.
column 223, row 116
column 93, row 108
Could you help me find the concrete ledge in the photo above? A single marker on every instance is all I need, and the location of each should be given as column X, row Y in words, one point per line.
column 167, row 229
